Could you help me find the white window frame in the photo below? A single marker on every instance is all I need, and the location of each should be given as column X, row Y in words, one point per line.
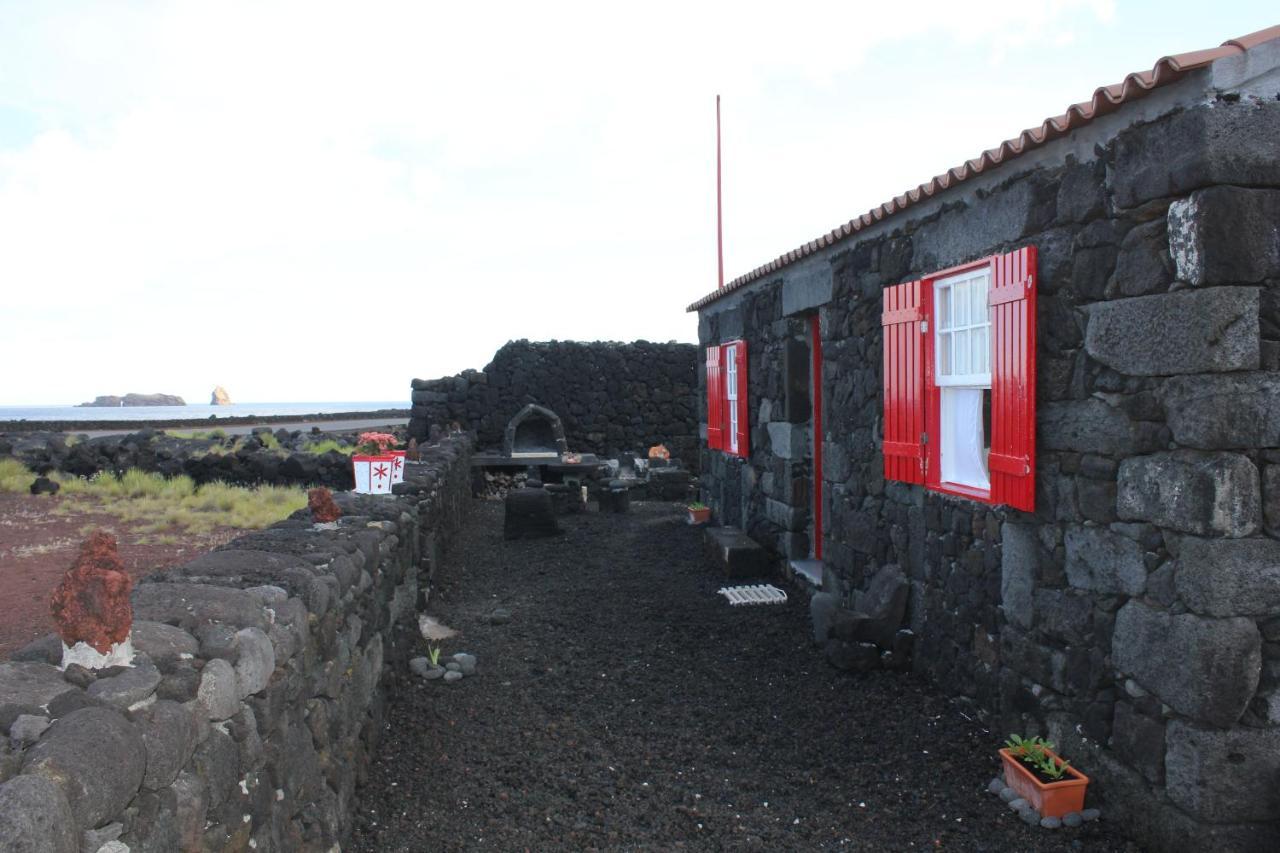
column 956, row 453
column 945, row 334
column 731, row 393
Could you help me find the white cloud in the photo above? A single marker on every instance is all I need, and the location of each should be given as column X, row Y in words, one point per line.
column 234, row 192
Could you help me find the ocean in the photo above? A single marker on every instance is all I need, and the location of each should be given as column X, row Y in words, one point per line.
column 175, row 413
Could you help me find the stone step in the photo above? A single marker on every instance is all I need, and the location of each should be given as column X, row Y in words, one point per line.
column 736, row 554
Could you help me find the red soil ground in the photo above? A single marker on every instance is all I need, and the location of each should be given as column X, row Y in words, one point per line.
column 37, row 546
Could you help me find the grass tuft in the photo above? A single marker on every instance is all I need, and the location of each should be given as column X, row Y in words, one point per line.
column 205, row 434
column 318, row 447
column 158, row 504
column 14, row 476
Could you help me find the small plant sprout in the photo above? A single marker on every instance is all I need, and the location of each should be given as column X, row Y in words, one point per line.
column 1034, row 752
column 697, row 505
column 433, row 655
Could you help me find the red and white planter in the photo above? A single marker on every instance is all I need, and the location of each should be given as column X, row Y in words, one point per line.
column 397, row 466
column 374, row 473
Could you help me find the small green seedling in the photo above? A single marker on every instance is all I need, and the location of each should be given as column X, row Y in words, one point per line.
column 1033, row 752
column 433, row 654
column 697, row 505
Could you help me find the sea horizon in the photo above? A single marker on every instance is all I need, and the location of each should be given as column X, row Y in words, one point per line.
column 193, row 411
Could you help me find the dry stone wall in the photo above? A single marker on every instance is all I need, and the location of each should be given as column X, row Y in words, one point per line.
column 1135, row 616
column 611, row 397
column 254, row 704
column 263, row 456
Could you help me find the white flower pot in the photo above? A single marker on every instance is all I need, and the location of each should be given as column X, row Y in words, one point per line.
column 373, row 474
column 397, row 466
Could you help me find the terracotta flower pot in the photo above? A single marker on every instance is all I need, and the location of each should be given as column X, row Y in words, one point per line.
column 699, row 516
column 373, row 473
column 1053, row 799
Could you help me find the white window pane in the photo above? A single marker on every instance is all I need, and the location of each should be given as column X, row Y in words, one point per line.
column 944, row 354
column 960, row 304
column 944, row 308
column 962, row 352
column 979, row 301
column 981, row 353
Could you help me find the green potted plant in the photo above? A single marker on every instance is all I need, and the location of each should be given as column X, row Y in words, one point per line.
column 699, row 513
column 1042, row 777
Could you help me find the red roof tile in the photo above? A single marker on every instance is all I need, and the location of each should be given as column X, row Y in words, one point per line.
column 1105, row 100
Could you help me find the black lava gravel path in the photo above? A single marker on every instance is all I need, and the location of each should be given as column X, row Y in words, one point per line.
column 626, row 706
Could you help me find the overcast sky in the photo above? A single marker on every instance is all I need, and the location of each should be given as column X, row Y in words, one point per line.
column 311, row 201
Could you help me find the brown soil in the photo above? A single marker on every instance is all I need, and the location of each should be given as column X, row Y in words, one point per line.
column 37, row 546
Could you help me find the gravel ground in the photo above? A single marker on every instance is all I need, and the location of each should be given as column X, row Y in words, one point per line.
column 626, row 706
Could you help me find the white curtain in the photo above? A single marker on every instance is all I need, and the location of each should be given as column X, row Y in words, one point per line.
column 964, row 456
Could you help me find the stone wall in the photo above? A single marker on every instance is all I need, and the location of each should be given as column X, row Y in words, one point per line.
column 611, row 397
column 279, row 457
column 1135, row 616
column 254, row 704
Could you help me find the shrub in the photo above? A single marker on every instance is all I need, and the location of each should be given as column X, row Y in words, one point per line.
column 319, row 447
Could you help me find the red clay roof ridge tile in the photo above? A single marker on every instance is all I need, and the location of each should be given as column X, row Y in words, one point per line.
column 1105, row 100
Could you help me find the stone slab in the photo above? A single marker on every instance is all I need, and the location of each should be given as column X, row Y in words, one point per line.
column 1192, row 491
column 29, row 683
column 1189, row 331
column 1224, row 776
column 1103, row 561
column 1206, row 669
column 736, row 554
column 1229, row 577
column 193, row 604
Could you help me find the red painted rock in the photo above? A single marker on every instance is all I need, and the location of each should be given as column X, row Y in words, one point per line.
column 323, row 509
column 91, row 604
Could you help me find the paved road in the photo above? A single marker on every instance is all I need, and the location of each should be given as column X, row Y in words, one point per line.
column 244, row 429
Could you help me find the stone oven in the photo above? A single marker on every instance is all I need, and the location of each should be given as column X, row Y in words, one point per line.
column 534, row 432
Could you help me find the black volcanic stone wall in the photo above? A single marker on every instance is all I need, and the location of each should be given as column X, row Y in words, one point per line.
column 1135, row 616
column 612, row 397
column 256, row 697
column 278, row 457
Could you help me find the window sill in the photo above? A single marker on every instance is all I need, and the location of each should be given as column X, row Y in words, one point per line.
column 959, row 490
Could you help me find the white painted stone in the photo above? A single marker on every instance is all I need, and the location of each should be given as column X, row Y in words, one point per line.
column 121, row 654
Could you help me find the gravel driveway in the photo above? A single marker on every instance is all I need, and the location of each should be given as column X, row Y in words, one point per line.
column 625, row 706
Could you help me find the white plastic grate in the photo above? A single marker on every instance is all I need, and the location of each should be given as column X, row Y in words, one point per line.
column 749, row 595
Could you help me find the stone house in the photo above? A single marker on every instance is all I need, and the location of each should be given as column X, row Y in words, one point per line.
column 1045, row 388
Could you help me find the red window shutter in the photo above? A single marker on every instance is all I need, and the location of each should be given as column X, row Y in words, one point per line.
column 744, row 418
column 1012, row 298
column 904, row 424
column 715, row 399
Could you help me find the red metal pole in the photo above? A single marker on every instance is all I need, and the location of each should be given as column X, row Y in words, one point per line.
column 719, row 203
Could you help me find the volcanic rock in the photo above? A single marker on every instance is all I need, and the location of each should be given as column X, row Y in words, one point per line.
column 220, row 397
column 323, row 509
column 91, row 604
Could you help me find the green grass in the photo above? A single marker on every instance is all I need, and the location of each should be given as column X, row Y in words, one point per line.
column 328, row 444
column 156, row 504
column 14, row 476
column 206, row 435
